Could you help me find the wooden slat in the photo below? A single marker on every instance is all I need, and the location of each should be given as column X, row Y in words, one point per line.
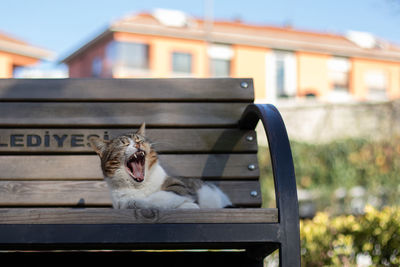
column 83, row 167
column 127, row 90
column 112, row 216
column 165, row 140
column 75, row 114
column 96, row 193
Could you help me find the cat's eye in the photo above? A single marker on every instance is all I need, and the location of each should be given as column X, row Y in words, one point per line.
column 138, row 139
column 125, row 142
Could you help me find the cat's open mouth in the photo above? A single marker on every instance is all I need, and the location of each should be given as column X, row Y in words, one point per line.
column 135, row 166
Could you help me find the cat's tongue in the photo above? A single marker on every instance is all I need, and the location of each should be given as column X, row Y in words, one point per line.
column 138, row 170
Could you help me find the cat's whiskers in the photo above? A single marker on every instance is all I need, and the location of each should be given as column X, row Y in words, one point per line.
column 168, row 144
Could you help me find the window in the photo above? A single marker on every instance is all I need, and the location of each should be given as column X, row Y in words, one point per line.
column 97, row 67
column 376, row 83
column 181, row 63
column 220, row 60
column 220, row 67
column 338, row 73
column 133, row 55
column 126, row 59
column 281, row 74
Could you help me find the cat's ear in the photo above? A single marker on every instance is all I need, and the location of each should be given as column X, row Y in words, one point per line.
column 99, row 145
column 142, row 129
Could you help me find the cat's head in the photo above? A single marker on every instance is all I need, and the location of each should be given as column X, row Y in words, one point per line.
column 128, row 157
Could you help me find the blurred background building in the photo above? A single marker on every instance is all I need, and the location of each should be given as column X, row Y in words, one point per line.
column 16, row 54
column 285, row 63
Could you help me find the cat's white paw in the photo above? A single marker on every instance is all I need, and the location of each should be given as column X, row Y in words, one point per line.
column 133, row 204
column 189, row 205
column 120, row 204
column 139, row 204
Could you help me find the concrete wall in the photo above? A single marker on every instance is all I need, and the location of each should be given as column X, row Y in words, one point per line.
column 318, row 122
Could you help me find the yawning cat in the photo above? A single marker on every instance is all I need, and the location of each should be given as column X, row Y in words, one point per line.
column 136, row 179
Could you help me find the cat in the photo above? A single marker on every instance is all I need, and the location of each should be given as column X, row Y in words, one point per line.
column 136, row 179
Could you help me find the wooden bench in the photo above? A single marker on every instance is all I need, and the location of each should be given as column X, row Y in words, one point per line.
column 52, row 196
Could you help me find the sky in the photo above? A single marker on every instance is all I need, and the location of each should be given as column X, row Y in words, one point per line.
column 62, row 26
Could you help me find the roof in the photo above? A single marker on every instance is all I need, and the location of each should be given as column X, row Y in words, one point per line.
column 234, row 32
column 13, row 45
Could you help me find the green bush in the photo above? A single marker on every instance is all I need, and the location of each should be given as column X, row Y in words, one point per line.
column 340, row 240
column 323, row 168
column 344, row 164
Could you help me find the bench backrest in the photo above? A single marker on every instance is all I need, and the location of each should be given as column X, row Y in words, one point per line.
column 46, row 161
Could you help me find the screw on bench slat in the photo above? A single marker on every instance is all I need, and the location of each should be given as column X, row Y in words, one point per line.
column 244, row 85
column 249, row 138
column 254, row 193
column 251, row 167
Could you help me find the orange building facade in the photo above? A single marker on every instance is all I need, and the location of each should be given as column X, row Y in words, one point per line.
column 15, row 53
column 284, row 63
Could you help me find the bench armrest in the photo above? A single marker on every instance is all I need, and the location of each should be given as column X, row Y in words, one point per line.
column 283, row 172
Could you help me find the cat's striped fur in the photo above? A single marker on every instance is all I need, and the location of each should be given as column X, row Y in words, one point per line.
column 135, row 178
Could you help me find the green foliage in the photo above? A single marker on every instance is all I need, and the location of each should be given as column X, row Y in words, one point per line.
column 338, row 241
column 348, row 163
column 323, row 168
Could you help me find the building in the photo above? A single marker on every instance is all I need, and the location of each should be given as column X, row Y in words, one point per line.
column 284, row 62
column 15, row 54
